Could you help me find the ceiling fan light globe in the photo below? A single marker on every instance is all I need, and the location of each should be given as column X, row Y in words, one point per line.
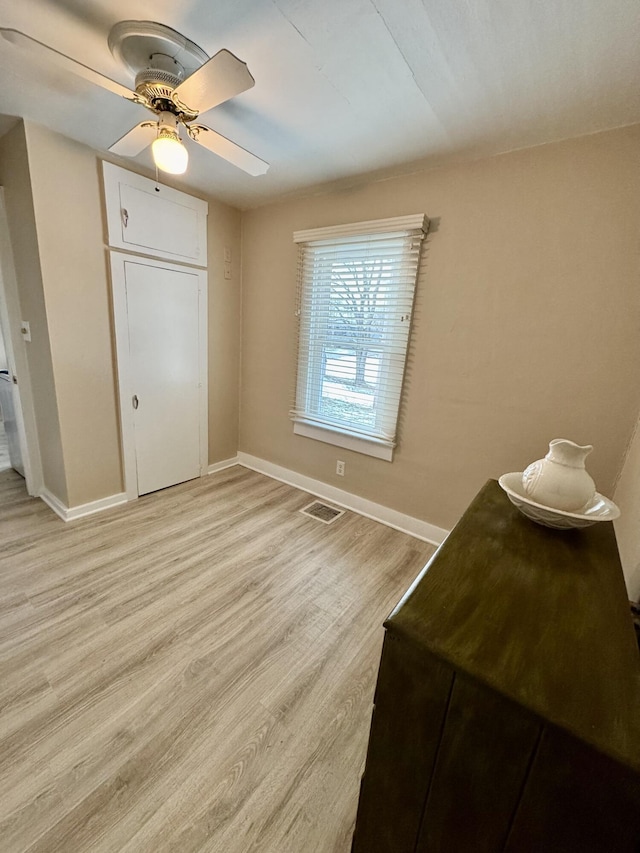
column 170, row 155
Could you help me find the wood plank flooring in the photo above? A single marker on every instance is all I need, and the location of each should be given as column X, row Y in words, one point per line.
column 190, row 672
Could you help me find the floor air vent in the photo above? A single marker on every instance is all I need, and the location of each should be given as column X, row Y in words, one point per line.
column 322, row 512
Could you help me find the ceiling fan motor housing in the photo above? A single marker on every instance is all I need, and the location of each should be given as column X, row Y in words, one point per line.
column 160, row 78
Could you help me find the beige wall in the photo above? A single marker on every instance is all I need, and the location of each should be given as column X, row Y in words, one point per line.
column 77, row 286
column 64, row 200
column 16, row 180
column 527, row 308
column 224, row 331
column 3, row 352
column 525, row 329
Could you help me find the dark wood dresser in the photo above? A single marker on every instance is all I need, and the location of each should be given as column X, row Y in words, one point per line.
column 507, row 709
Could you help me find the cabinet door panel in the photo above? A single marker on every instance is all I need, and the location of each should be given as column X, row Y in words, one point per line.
column 155, row 222
column 152, row 219
column 482, row 763
column 576, row 800
column 410, row 703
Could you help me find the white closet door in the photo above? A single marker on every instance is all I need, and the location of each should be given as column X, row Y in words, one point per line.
column 161, row 352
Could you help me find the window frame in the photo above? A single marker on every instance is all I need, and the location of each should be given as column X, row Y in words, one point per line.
column 307, row 420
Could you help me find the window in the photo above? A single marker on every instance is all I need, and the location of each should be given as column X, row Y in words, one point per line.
column 356, row 287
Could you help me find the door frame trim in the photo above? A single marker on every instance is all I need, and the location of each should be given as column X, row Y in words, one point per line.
column 17, row 359
column 123, row 366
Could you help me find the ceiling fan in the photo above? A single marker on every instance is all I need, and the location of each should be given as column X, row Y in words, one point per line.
column 174, row 79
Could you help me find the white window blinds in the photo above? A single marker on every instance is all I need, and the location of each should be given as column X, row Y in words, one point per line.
column 356, row 290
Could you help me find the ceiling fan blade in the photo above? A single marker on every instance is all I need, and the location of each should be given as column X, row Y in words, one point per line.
column 224, row 76
column 138, row 138
column 226, row 149
column 43, row 51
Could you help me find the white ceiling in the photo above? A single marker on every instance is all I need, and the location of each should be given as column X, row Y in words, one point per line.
column 345, row 87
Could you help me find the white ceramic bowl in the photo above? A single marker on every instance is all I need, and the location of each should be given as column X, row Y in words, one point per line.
column 599, row 508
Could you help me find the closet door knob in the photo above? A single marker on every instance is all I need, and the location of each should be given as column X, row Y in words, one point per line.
column 125, row 216
column 135, row 401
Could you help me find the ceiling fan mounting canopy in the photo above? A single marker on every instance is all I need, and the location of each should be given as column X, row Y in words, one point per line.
column 134, row 43
column 160, row 58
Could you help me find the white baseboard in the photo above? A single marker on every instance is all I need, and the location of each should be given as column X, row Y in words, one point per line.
column 220, row 466
column 398, row 520
column 53, row 503
column 75, row 512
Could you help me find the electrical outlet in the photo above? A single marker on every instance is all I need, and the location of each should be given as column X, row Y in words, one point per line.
column 340, row 468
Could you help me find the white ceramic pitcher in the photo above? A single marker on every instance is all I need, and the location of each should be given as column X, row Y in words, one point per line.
column 560, row 480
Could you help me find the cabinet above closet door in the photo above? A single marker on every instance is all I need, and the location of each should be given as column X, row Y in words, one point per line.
column 148, row 218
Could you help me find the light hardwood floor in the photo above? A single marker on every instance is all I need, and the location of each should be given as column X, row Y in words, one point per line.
column 190, row 672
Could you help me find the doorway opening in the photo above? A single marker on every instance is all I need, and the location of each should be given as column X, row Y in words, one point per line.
column 18, row 433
